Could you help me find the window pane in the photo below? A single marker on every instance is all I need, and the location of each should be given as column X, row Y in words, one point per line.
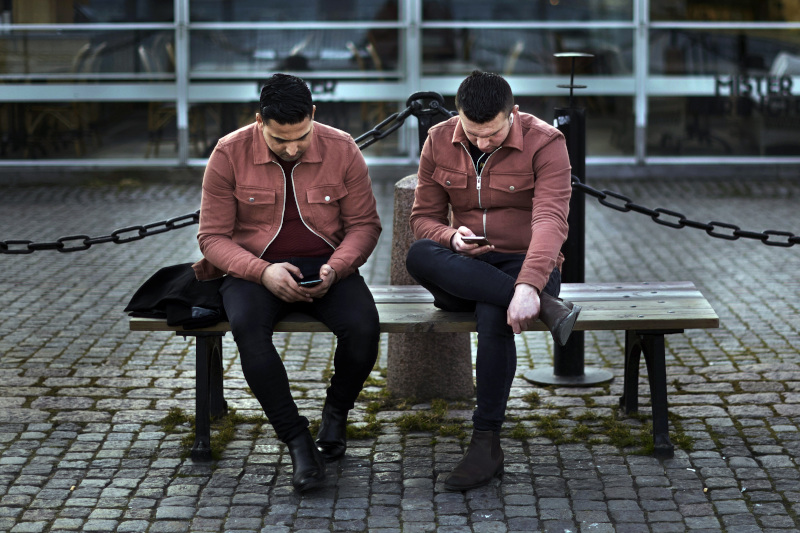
column 297, row 10
column 88, row 130
column 85, row 54
column 722, row 126
column 732, row 10
column 722, row 52
column 78, row 11
column 516, row 10
column 209, row 122
column 515, row 51
column 252, row 52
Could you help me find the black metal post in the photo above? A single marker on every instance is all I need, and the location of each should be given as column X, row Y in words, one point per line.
column 427, row 115
column 568, row 361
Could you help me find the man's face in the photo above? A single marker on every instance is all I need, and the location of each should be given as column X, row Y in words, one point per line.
column 287, row 141
column 488, row 136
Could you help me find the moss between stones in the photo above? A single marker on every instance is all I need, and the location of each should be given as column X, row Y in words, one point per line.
column 633, row 431
column 223, row 429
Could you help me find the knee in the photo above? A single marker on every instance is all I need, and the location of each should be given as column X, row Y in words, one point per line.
column 492, row 320
column 365, row 327
column 250, row 328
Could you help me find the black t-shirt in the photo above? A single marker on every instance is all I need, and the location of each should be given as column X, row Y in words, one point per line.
column 478, row 158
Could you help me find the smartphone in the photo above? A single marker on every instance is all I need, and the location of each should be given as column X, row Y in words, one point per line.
column 476, row 239
column 310, row 282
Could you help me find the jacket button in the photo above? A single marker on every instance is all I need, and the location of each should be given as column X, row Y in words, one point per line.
column 252, row 200
column 327, row 198
column 447, row 182
column 511, row 188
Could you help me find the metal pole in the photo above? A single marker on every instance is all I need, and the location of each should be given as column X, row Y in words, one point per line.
column 568, row 361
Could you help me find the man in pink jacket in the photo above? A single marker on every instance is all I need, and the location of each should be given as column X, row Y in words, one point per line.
column 490, row 211
column 288, row 215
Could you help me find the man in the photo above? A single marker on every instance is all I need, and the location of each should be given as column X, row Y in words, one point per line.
column 506, row 177
column 289, row 215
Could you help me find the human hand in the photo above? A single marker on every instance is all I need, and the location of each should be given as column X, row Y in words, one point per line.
column 458, row 245
column 279, row 279
column 523, row 309
column 328, row 276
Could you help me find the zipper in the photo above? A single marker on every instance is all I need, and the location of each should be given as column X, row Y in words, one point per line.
column 478, row 180
column 300, row 213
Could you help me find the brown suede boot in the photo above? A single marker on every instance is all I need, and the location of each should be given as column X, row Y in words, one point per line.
column 559, row 316
column 482, row 462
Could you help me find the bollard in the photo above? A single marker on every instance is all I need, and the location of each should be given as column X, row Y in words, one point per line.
column 422, row 365
column 568, row 361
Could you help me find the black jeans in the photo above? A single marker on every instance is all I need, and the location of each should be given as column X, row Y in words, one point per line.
column 484, row 284
column 348, row 310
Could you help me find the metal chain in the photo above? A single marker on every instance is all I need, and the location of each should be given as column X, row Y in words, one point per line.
column 74, row 243
column 674, row 219
column 414, row 106
column 378, row 132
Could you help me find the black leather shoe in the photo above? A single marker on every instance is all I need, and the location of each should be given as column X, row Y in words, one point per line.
column 307, row 463
column 482, row 463
column 559, row 316
column 332, row 436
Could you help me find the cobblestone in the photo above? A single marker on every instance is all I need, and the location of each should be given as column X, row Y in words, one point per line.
column 81, row 396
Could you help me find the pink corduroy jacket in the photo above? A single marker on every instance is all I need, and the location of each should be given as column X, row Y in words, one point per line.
column 520, row 203
column 242, row 205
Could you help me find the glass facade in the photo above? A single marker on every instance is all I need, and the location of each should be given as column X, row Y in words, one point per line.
column 143, row 82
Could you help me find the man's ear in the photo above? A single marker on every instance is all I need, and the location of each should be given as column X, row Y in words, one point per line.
column 313, row 110
column 259, row 119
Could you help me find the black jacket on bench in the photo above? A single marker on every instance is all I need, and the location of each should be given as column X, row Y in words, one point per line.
column 174, row 293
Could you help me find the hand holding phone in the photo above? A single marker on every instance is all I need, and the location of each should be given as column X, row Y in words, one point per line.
column 475, row 239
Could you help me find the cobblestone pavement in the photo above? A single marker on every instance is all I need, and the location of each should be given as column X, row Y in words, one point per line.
column 81, row 397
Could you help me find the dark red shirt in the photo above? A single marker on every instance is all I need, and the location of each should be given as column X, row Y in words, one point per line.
column 294, row 239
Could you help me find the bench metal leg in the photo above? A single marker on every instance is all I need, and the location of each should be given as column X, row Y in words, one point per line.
column 629, row 400
column 654, row 356
column 209, row 396
column 651, row 344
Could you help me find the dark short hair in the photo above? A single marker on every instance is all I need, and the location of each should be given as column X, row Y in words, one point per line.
column 483, row 95
column 286, row 99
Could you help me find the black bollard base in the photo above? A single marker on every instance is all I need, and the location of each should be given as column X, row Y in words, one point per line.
column 547, row 376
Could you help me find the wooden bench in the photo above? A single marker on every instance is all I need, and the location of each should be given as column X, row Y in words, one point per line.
column 645, row 311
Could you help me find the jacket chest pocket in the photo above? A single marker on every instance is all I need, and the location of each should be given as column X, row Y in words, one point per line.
column 255, row 206
column 512, row 189
column 323, row 200
column 455, row 183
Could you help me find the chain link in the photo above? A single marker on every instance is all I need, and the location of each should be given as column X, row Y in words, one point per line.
column 415, row 106
column 674, row 219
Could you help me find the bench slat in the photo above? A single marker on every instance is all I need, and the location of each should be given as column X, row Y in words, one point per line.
column 606, row 306
column 569, row 291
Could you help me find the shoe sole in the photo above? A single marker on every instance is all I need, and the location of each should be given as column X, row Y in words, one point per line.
column 564, row 329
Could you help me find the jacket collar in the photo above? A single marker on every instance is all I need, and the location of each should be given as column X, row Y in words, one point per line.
column 262, row 154
column 514, row 139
